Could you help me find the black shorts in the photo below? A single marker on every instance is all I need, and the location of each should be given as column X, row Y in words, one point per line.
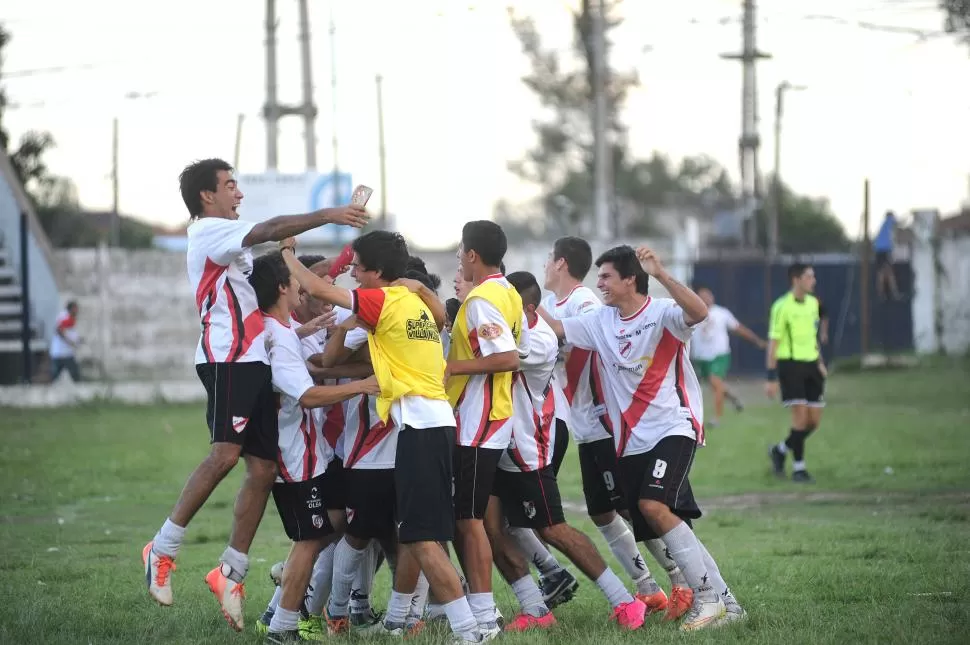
column 801, row 383
column 660, row 475
column 335, row 483
column 302, row 509
column 422, row 477
column 241, row 407
column 560, row 445
column 883, row 258
column 371, row 503
column 601, row 481
column 474, row 471
column 530, row 500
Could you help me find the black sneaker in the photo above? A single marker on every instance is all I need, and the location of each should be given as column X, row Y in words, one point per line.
column 262, row 624
column 559, row 588
column 777, row 461
column 802, row 477
column 284, row 638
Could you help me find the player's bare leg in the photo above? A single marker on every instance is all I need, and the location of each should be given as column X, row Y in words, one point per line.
column 717, row 384
column 475, row 554
column 431, row 559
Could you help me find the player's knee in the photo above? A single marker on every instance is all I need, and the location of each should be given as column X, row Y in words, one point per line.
column 652, row 510
column 261, row 471
column 810, row 426
column 223, row 457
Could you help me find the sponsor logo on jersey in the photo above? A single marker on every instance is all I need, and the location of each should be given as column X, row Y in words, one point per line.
column 423, row 328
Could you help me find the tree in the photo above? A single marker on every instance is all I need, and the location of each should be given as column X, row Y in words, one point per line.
column 957, row 14
column 805, row 225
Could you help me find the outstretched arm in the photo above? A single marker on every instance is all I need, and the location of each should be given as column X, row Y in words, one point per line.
column 283, row 226
column 749, row 336
column 314, row 284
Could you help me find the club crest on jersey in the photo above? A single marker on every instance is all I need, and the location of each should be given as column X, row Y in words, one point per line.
column 423, row 328
column 625, row 347
column 350, row 515
column 239, row 423
column 488, row 331
column 530, row 509
column 317, row 522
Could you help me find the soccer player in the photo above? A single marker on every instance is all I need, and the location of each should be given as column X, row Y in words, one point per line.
column 711, row 349
column 304, row 454
column 488, row 339
column 526, row 481
column 795, row 363
column 242, row 418
column 566, row 268
column 64, row 344
column 654, row 403
column 405, row 350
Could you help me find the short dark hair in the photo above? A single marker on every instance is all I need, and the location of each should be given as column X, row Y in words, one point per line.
column 501, row 267
column 384, row 252
column 417, row 264
column 796, row 270
column 268, row 275
column 71, row 304
column 452, row 305
column 310, row 259
column 527, row 286
column 487, row 239
column 625, row 262
column 577, row 254
column 197, row 177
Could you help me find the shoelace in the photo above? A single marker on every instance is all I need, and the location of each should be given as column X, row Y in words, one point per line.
column 165, row 567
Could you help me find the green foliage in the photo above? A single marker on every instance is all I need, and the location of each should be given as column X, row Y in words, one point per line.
column 805, row 225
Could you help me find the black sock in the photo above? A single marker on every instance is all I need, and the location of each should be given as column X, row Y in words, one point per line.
column 796, row 443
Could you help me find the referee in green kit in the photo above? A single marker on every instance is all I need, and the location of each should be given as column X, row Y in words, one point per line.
column 795, row 364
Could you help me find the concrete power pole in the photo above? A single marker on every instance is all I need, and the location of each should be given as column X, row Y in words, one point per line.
column 601, row 150
column 271, row 110
column 750, row 141
column 333, row 105
column 380, row 148
column 308, row 108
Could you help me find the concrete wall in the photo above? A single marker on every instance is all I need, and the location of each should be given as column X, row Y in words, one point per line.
column 941, row 299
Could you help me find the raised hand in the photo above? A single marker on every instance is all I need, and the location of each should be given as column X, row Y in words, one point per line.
column 350, row 215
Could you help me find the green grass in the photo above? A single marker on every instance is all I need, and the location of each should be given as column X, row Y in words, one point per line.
column 863, row 556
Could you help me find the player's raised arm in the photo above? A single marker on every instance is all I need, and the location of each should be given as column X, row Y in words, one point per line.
column 555, row 324
column 314, row 284
column 695, row 310
column 281, row 227
column 428, row 297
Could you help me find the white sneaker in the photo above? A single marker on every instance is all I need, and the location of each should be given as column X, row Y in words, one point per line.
column 489, row 631
column 465, row 639
column 733, row 611
column 158, row 569
column 229, row 593
column 703, row 615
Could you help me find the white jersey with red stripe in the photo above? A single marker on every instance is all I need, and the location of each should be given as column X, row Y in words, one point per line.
column 533, row 404
column 369, row 443
column 581, row 376
column 219, row 267
column 652, row 391
column 315, row 344
column 303, row 452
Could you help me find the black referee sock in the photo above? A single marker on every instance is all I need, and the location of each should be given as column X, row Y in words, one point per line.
column 796, row 443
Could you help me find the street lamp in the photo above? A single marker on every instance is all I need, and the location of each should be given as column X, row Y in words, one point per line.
column 773, row 220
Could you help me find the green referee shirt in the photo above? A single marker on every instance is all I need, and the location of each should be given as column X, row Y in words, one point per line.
column 794, row 325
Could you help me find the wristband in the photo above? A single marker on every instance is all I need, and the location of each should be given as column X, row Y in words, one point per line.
column 771, row 375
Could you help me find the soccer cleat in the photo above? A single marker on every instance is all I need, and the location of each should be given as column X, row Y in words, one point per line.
column 679, row 603
column 703, row 615
column 276, row 574
column 158, row 572
column 525, row 622
column 284, row 638
column 229, row 593
column 655, row 602
column 630, row 615
column 472, row 638
column 311, row 628
column 490, row 630
column 802, row 477
column 369, row 622
column 413, row 628
column 733, row 611
column 336, row 625
column 262, row 623
column 559, row 588
column 400, row 630
column 777, row 461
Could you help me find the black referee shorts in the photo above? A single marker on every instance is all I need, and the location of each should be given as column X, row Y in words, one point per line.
column 801, row 383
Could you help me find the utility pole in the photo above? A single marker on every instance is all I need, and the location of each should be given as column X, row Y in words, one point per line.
column 775, row 198
column 115, row 217
column 271, row 109
column 864, row 274
column 750, row 140
column 308, row 108
column 380, row 148
column 333, row 106
column 601, row 156
column 235, row 154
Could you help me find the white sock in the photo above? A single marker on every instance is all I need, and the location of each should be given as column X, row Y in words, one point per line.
column 237, row 561
column 364, row 580
column 717, row 581
column 534, row 550
column 624, row 547
column 461, row 618
column 420, row 599
column 686, row 552
column 433, row 610
column 483, row 607
column 397, row 608
column 613, row 589
column 529, row 597
column 284, row 620
column 660, row 553
column 321, row 580
column 798, row 465
column 346, row 561
column 168, row 539
column 782, row 448
column 274, row 602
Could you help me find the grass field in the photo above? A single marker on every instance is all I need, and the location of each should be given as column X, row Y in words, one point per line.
column 876, row 552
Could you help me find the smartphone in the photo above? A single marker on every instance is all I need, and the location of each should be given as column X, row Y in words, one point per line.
column 361, row 194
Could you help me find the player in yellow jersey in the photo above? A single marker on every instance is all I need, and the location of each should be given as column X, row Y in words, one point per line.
column 795, row 366
column 405, row 349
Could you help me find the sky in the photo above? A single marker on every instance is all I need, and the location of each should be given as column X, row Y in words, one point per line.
column 888, row 106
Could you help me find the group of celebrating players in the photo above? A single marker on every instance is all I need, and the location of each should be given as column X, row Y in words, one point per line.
column 379, row 445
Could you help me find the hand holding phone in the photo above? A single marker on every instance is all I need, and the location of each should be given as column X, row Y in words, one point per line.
column 361, row 194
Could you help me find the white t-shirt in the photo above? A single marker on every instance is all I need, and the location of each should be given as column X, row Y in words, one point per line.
column 303, row 451
column 712, row 337
column 533, row 404
column 232, row 325
column 66, row 324
column 651, row 389
column 472, row 412
column 580, row 376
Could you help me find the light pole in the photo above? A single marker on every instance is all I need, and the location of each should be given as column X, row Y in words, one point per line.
column 773, row 220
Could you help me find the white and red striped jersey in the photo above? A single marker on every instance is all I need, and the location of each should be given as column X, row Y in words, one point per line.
column 581, row 376
column 315, row 344
column 533, row 404
column 651, row 388
column 303, row 452
column 232, row 325
column 369, row 443
column 66, row 324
